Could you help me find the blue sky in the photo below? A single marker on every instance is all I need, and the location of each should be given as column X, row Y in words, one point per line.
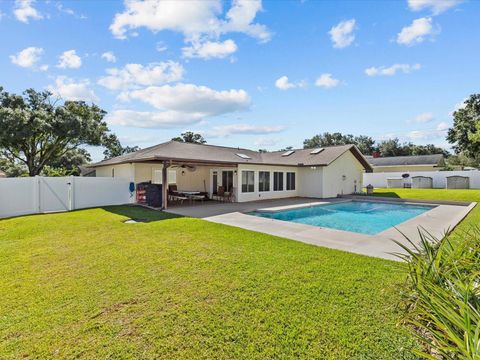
column 247, row 73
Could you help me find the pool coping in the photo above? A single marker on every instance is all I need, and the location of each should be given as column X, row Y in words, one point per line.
column 436, row 221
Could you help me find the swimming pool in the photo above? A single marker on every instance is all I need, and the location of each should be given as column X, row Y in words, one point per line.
column 365, row 217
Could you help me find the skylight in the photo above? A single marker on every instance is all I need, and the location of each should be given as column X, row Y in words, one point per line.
column 243, row 156
column 288, row 153
column 316, row 151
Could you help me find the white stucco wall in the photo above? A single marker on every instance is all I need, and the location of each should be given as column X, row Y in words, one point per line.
column 334, row 182
column 262, row 195
column 198, row 180
column 310, row 182
column 124, row 171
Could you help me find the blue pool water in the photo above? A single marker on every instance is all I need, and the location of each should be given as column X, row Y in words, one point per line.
column 363, row 217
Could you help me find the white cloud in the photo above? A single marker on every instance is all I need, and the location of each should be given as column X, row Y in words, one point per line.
column 436, row 6
column 109, row 56
column 134, row 75
column 191, row 18
column 243, row 129
column 210, row 49
column 443, row 126
column 417, row 31
column 69, row 60
column 424, row 118
column 283, row 83
column 28, row 57
column 180, row 105
column 459, row 106
column 430, row 134
column 391, row 70
column 160, row 46
column 192, row 99
column 327, row 81
column 342, row 33
column 24, row 10
column 266, row 141
column 147, row 119
column 68, row 89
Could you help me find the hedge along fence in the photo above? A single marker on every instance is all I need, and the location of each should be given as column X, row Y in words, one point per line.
column 32, row 195
column 439, row 178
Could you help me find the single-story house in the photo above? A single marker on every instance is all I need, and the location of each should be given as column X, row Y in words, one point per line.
column 407, row 163
column 249, row 175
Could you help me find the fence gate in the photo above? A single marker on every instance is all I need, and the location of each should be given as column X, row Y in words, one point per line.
column 55, row 194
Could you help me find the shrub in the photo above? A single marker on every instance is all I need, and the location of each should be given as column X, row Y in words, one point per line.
column 443, row 298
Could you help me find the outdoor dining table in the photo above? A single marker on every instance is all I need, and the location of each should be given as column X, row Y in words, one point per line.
column 191, row 195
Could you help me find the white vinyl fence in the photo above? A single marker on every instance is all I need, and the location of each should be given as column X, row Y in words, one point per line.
column 31, row 195
column 439, row 178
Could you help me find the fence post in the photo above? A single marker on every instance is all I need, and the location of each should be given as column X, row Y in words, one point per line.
column 71, row 192
column 37, row 198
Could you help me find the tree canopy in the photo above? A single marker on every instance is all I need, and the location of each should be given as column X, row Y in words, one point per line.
column 465, row 133
column 364, row 143
column 367, row 145
column 190, row 137
column 37, row 131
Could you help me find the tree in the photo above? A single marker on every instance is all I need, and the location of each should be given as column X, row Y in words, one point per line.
column 114, row 148
column 465, row 133
column 69, row 163
column 364, row 143
column 190, row 137
column 37, row 132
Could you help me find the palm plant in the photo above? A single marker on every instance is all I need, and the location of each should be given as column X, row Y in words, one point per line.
column 443, row 299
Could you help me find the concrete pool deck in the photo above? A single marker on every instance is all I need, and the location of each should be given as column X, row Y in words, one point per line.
column 436, row 221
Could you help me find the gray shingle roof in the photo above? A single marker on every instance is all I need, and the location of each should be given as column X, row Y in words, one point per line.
column 187, row 152
column 435, row 160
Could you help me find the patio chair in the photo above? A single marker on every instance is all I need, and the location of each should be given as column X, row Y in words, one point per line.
column 221, row 196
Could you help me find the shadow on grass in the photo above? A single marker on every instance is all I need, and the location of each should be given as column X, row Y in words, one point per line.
column 139, row 213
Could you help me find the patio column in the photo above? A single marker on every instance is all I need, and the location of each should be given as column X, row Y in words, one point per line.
column 166, row 165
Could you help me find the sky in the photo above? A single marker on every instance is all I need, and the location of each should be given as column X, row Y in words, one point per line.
column 249, row 73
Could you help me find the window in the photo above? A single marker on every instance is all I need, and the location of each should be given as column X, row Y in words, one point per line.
column 263, row 181
column 113, row 172
column 290, row 181
column 288, row 153
column 227, row 180
column 277, row 181
column 248, row 181
column 157, row 176
column 316, row 151
column 243, row 156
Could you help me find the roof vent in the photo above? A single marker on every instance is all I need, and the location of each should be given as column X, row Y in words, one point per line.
column 316, row 151
column 288, row 153
column 243, row 156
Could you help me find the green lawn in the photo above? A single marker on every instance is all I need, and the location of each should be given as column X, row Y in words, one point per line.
column 84, row 284
column 473, row 217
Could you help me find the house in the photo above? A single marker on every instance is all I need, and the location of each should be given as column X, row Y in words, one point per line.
column 250, row 175
column 407, row 163
column 2, row 174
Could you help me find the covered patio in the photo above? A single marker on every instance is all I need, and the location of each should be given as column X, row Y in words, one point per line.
column 189, row 183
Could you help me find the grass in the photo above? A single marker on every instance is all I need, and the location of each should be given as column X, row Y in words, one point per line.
column 473, row 217
column 84, row 284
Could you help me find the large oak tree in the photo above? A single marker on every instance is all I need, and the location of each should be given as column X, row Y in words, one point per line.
column 38, row 130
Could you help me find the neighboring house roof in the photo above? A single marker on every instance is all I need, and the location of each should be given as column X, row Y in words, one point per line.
column 86, row 171
column 202, row 153
column 433, row 160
